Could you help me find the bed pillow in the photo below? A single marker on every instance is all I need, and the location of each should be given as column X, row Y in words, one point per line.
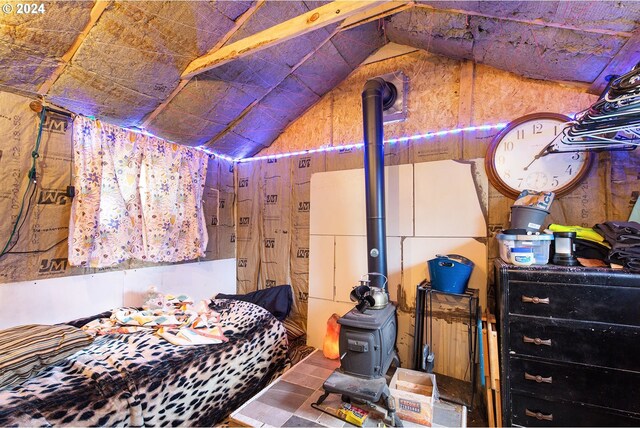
column 26, row 349
column 277, row 300
column 81, row 322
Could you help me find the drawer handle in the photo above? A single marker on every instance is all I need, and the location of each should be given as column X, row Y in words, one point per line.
column 538, row 378
column 535, row 300
column 536, row 341
column 539, row 416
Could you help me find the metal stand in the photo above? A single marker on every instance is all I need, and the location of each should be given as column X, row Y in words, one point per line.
column 423, row 354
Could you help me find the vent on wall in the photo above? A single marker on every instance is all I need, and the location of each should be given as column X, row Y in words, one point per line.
column 398, row 111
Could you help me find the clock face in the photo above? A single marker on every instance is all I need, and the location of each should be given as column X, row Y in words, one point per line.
column 511, row 160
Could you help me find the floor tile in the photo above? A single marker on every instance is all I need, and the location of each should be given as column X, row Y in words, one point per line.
column 309, row 369
column 265, row 413
column 308, row 412
column 295, row 421
column 286, row 395
column 318, row 359
column 307, row 381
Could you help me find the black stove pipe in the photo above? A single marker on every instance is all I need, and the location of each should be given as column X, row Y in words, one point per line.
column 376, row 95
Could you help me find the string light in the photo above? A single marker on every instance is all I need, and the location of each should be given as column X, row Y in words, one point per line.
column 360, row 145
column 345, row 147
column 201, row 149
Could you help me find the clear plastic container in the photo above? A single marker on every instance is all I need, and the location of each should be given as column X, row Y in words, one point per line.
column 538, row 243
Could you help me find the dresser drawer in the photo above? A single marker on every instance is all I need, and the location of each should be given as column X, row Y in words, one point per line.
column 577, row 275
column 535, row 412
column 605, row 345
column 577, row 383
column 616, row 305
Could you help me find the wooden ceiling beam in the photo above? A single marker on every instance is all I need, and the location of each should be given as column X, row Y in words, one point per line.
column 96, row 12
column 538, row 22
column 377, row 12
column 237, row 25
column 305, row 23
column 626, row 58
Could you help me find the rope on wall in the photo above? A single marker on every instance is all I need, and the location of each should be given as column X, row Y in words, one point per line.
column 22, row 214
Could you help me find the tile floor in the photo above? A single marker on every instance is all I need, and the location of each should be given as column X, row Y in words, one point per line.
column 287, row 402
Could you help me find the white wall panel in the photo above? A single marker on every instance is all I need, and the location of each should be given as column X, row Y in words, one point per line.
column 399, row 200
column 437, row 199
column 446, row 200
column 339, row 202
column 351, row 264
column 200, row 281
column 417, row 251
column 394, row 266
column 58, row 300
column 337, row 206
column 321, row 266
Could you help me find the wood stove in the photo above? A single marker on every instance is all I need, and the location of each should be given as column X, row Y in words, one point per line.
column 367, row 341
column 368, row 332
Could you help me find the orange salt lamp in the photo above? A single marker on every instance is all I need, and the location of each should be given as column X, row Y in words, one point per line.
column 330, row 347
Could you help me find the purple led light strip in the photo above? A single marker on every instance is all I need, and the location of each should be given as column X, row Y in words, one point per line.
column 343, row 147
column 360, row 145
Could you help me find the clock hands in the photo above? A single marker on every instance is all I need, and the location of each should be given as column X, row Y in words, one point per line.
column 541, row 153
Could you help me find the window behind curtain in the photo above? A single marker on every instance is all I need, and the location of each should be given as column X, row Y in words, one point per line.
column 137, row 196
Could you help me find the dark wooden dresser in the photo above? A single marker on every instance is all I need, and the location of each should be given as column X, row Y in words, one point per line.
column 569, row 346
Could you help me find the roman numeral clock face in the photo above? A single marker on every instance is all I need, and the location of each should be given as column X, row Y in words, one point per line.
column 512, row 165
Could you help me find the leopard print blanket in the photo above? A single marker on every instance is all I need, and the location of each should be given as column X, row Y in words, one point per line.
column 141, row 379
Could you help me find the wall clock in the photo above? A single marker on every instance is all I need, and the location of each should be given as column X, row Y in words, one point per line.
column 512, row 165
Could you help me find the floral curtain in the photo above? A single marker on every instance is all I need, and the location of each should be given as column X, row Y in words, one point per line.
column 136, row 197
column 174, row 223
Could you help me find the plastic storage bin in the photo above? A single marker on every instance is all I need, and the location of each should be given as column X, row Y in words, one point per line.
column 450, row 273
column 538, row 243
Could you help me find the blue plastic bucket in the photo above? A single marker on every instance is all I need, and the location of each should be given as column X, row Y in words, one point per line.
column 450, row 273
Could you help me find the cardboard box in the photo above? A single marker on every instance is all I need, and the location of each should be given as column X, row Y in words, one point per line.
column 414, row 393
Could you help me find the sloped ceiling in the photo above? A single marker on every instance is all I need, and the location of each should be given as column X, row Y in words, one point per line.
column 126, row 61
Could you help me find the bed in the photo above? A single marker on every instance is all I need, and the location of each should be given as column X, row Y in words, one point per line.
column 140, row 379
